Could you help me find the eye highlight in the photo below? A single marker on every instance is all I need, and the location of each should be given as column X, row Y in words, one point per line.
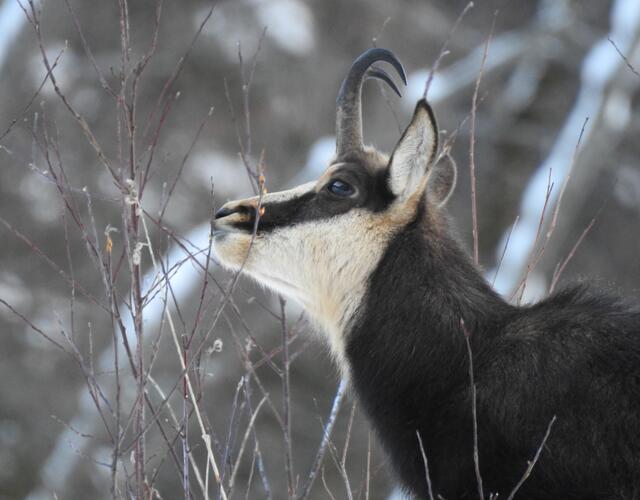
column 340, row 188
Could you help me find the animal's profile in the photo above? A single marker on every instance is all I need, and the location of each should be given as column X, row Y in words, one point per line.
column 367, row 250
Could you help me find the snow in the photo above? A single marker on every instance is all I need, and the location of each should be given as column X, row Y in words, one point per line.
column 320, row 155
column 11, row 20
column 227, row 172
column 289, row 23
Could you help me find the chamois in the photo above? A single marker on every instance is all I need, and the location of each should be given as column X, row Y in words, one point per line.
column 368, row 251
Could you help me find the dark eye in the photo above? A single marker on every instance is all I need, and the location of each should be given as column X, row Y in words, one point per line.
column 341, row 188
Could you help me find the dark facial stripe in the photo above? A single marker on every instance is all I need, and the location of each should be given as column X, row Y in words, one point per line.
column 281, row 213
column 371, row 193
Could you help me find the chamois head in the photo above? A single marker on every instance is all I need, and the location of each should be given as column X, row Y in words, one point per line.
column 319, row 242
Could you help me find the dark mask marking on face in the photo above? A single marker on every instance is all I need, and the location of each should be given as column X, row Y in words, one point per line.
column 370, row 192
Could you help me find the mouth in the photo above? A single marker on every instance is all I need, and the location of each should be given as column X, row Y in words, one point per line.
column 233, row 223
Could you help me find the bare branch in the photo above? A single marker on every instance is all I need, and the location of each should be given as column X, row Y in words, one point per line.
column 472, row 144
column 426, row 465
column 326, row 435
column 476, row 451
column 533, row 462
column 624, row 58
column 444, row 49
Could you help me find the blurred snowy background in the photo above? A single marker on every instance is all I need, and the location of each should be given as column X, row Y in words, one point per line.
column 551, row 65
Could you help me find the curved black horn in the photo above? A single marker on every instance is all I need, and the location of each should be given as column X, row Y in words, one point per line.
column 349, row 113
column 381, row 74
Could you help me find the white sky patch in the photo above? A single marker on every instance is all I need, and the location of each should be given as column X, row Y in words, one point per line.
column 227, row 26
column 45, row 320
column 397, row 494
column 416, row 82
column 12, row 290
column 617, row 110
column 105, row 184
column 87, row 100
column 627, row 186
column 320, row 154
column 64, row 73
column 227, row 172
column 41, row 198
column 461, row 74
column 11, row 21
column 289, row 23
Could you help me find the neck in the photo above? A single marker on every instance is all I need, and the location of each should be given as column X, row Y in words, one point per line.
column 406, row 350
column 424, row 286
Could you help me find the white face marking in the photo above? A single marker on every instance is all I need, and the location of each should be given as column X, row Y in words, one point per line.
column 322, row 264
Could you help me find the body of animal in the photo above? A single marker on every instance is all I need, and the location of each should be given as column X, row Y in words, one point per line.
column 368, row 251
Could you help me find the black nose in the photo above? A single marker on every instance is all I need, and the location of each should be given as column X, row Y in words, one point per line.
column 223, row 212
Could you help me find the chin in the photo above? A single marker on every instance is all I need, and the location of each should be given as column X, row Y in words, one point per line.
column 230, row 249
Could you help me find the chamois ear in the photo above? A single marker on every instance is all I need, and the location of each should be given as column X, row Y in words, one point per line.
column 442, row 181
column 414, row 153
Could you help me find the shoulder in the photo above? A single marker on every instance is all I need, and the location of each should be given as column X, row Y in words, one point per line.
column 578, row 308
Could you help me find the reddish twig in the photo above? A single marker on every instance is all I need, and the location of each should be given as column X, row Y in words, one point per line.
column 472, row 145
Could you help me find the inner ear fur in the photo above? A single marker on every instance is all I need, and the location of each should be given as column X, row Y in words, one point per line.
column 415, row 152
column 442, row 180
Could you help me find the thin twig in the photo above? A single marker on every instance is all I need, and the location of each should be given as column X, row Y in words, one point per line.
column 533, row 462
column 381, row 86
column 32, row 246
column 368, row 470
column 444, row 49
column 206, row 436
column 504, row 250
column 35, row 23
column 167, row 198
column 87, row 49
column 34, row 96
column 624, row 58
column 472, row 145
column 536, row 255
column 347, row 439
column 326, row 486
column 247, row 433
column 32, row 326
column 426, row 465
column 333, row 451
column 560, row 269
column 326, row 435
column 176, row 423
column 474, row 410
column 286, row 403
